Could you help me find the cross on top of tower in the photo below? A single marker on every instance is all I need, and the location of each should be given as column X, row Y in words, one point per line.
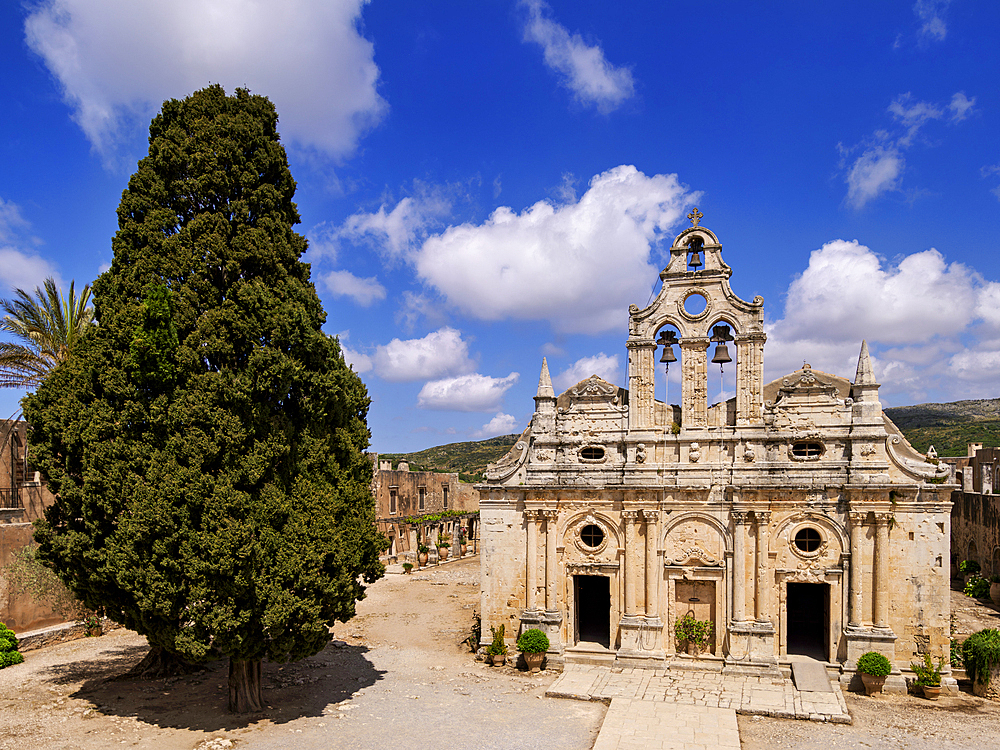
column 695, row 216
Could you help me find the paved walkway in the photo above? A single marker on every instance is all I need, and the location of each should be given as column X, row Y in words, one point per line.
column 689, row 709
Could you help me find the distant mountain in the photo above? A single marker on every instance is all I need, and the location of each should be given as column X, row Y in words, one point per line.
column 467, row 459
column 949, row 427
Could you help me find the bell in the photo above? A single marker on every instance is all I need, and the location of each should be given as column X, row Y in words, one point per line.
column 721, row 354
column 668, row 354
column 695, row 262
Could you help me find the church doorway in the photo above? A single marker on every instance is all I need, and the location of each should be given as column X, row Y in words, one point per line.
column 808, row 608
column 593, row 609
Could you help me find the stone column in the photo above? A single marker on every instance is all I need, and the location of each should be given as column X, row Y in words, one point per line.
column 550, row 516
column 749, row 378
column 652, row 578
column 739, row 565
column 694, row 382
column 855, row 618
column 531, row 557
column 880, row 585
column 762, row 588
column 629, row 517
column 641, row 383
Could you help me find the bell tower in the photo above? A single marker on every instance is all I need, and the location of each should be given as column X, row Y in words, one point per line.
column 696, row 309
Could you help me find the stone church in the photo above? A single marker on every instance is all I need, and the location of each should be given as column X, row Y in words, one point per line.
column 794, row 516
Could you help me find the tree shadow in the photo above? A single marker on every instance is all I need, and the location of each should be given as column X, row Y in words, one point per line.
column 198, row 701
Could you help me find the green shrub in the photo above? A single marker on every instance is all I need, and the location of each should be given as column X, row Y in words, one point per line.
column 693, row 631
column 9, row 654
column 875, row 664
column 927, row 674
column 977, row 587
column 407, row 567
column 956, row 653
column 499, row 645
column 968, row 566
column 980, row 653
column 533, row 641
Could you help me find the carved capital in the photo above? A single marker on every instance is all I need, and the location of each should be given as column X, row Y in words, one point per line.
column 631, row 516
column 740, row 517
column 763, row 517
column 548, row 515
column 857, row 517
column 650, row 516
column 531, row 515
column 882, row 519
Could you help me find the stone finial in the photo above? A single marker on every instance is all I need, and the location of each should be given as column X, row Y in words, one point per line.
column 865, row 376
column 695, row 216
column 545, row 382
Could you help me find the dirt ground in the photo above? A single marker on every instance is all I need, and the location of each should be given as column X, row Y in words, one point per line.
column 398, row 676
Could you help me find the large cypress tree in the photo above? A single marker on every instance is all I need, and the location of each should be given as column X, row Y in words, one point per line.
column 206, row 441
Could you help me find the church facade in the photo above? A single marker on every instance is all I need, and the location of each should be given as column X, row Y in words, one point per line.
column 794, row 517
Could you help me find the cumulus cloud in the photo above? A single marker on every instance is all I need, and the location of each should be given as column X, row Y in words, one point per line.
column 473, row 392
column 117, row 60
column 394, row 231
column 601, row 365
column 358, row 361
column 345, row 284
column 930, row 15
column 21, row 267
column 501, row 424
column 442, row 352
column 931, row 325
column 880, row 166
column 582, row 67
column 578, row 265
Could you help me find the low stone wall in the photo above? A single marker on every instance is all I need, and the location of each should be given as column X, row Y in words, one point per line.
column 67, row 631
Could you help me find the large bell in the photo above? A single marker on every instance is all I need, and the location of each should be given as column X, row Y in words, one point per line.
column 668, row 355
column 695, row 263
column 721, row 354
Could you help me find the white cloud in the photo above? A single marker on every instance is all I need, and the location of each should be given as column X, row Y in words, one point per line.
column 876, row 171
column 346, row 284
column 583, row 68
column 358, row 361
column 578, row 265
column 932, row 326
column 465, row 393
column 501, row 424
column 117, row 60
column 930, row 14
column 440, row 353
column 601, row 365
column 395, row 231
column 21, row 267
column 960, row 106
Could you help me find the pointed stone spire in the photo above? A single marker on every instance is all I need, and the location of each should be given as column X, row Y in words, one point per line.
column 865, row 376
column 545, row 382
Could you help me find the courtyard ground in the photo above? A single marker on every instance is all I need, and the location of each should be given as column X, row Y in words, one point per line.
column 399, row 676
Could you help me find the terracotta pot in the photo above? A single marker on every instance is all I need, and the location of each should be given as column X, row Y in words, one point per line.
column 422, row 559
column 873, row 685
column 932, row 692
column 694, row 648
column 499, row 659
column 534, row 661
column 995, row 593
column 442, row 554
column 465, row 549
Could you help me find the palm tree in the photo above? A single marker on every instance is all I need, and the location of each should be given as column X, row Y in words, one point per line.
column 48, row 325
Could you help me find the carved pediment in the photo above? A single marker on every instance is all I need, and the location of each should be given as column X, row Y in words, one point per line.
column 511, row 461
column 695, row 556
column 593, row 392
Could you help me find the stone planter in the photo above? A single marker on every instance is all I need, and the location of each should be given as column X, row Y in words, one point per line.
column 534, row 661
column 995, row 593
column 498, row 659
column 873, row 685
column 990, row 690
column 932, row 692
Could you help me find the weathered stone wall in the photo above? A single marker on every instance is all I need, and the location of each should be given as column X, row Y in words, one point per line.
column 19, row 613
column 975, row 530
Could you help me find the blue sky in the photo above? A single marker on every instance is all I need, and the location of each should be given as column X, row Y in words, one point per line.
column 484, row 184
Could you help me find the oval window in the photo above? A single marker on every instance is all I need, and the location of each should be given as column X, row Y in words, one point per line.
column 592, row 535
column 807, row 450
column 592, row 453
column 695, row 304
column 808, row 539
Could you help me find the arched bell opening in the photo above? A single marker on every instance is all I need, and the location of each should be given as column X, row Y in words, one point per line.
column 722, row 362
column 667, row 378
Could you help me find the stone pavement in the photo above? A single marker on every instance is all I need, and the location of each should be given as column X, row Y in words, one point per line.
column 724, row 693
column 654, row 725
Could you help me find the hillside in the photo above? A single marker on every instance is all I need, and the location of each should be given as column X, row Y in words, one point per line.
column 468, row 459
column 949, row 427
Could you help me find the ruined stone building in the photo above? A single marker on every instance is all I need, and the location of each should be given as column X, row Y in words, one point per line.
column 794, row 516
column 975, row 512
column 415, row 507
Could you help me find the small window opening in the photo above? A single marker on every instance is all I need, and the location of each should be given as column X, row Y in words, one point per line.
column 592, row 453
column 421, row 496
column 592, row 535
column 444, row 492
column 807, row 450
column 392, row 502
column 808, row 539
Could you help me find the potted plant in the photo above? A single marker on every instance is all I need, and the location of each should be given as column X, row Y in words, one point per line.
column 463, row 541
column 533, row 644
column 92, row 625
column 995, row 589
column 981, row 656
column 874, row 668
column 968, row 568
column 694, row 632
column 443, row 544
column 928, row 677
column 422, row 552
column 496, row 652
column 407, row 567
column 976, row 586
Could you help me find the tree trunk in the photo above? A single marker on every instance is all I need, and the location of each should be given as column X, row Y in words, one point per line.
column 244, row 686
